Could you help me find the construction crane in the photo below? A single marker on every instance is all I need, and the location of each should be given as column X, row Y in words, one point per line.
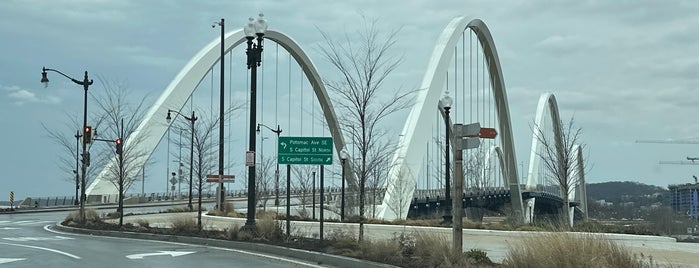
column 669, row 141
column 691, row 161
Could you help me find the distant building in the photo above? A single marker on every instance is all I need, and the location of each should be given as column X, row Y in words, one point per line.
column 684, row 199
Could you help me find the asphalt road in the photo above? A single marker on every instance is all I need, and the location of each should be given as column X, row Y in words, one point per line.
column 26, row 240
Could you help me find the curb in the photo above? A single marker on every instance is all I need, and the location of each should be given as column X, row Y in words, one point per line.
column 312, row 256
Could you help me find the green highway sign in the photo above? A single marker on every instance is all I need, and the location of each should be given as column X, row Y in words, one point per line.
column 305, row 151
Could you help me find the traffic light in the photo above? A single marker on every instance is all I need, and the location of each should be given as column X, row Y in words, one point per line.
column 87, row 135
column 119, row 146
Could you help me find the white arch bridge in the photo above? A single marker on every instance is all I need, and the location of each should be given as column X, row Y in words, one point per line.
column 465, row 62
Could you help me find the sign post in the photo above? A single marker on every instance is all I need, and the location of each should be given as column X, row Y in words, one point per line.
column 306, row 151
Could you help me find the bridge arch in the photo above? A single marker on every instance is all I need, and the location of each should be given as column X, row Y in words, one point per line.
column 496, row 152
column 152, row 129
column 407, row 159
column 547, row 105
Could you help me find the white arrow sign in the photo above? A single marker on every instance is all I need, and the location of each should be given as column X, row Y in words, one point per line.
column 8, row 260
column 160, row 253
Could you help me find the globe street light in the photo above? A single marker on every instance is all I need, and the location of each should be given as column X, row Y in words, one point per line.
column 343, row 160
column 446, row 103
column 191, row 119
column 86, row 82
column 254, row 28
column 276, row 172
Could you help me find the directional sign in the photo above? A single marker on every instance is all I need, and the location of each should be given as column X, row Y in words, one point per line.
column 160, row 253
column 467, row 143
column 470, row 130
column 305, row 151
column 220, row 178
column 487, row 133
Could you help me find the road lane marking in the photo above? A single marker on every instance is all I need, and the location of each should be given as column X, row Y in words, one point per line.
column 43, row 248
column 160, row 253
column 36, row 238
column 29, row 222
column 8, row 260
column 297, row 262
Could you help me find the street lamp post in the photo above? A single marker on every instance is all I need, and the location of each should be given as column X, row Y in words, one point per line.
column 446, row 103
column 313, row 181
column 222, row 192
column 343, row 160
column 75, row 171
column 191, row 119
column 86, row 82
column 276, row 172
column 254, row 28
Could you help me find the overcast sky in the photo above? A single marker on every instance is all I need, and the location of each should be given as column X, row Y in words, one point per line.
column 626, row 70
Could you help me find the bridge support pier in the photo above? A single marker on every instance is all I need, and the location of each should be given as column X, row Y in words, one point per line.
column 474, row 214
column 529, row 210
column 571, row 215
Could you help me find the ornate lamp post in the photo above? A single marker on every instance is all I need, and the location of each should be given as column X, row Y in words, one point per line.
column 191, row 119
column 254, row 28
column 343, row 160
column 446, row 103
column 86, row 82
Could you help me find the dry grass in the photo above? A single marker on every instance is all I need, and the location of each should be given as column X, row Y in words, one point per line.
column 91, row 216
column 143, row 223
column 232, row 233
column 177, row 209
column 407, row 250
column 268, row 228
column 229, row 211
column 561, row 249
column 184, row 225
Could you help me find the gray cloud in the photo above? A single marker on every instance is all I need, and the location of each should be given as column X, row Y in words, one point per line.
column 21, row 96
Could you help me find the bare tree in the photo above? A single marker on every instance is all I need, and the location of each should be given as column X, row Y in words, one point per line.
column 69, row 140
column 473, row 169
column 559, row 158
column 304, row 184
column 205, row 150
column 380, row 165
column 114, row 107
column 401, row 189
column 264, row 181
column 364, row 62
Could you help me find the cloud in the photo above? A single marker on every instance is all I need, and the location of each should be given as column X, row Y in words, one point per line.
column 22, row 96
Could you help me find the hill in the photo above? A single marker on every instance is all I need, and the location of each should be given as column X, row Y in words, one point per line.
column 618, row 191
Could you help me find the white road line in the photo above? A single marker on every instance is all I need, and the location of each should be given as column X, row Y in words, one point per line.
column 204, row 246
column 43, row 248
column 28, row 222
column 23, row 222
column 271, row 257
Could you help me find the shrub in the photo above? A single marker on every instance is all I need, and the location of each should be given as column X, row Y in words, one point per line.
column 268, row 228
column 184, row 225
column 232, row 233
column 386, row 251
column 143, row 223
column 91, row 216
column 559, row 249
column 177, row 209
